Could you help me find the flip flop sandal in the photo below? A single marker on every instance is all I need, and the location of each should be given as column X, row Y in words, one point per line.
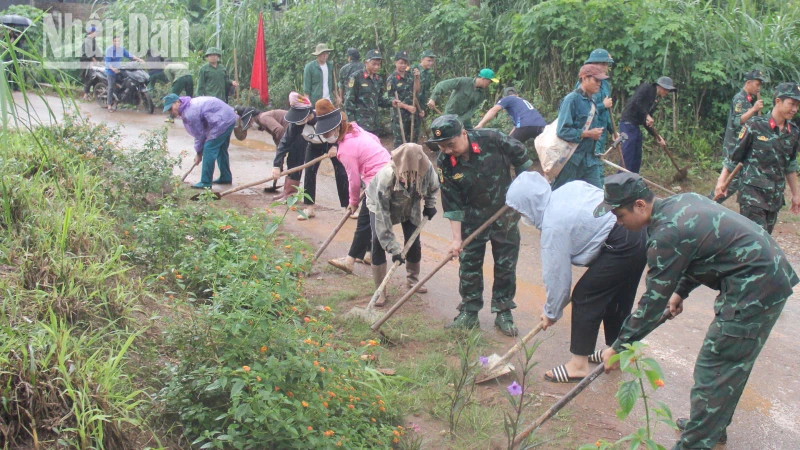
column 596, row 357
column 560, row 375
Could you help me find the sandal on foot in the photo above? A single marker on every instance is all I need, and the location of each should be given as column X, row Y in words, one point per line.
column 596, row 357
column 308, row 215
column 341, row 264
column 560, row 375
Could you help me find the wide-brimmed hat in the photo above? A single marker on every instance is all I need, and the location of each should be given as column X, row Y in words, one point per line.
column 213, row 51
column 328, row 116
column 599, row 55
column 243, row 122
column 321, row 48
column 666, row 83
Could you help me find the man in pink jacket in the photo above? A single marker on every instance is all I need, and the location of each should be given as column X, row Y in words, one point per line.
column 362, row 156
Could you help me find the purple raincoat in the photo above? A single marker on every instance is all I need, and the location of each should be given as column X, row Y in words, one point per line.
column 205, row 118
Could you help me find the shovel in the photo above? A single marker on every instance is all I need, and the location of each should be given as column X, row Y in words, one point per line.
column 498, row 366
column 682, row 173
column 265, row 180
column 183, row 178
column 622, row 137
column 377, row 325
column 369, row 313
column 559, row 405
column 274, row 187
column 614, row 127
column 643, row 178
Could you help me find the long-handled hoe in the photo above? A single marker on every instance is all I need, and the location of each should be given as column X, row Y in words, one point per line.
column 377, row 325
column 369, row 313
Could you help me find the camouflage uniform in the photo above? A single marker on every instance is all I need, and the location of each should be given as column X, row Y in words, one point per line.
column 740, row 104
column 345, row 72
column 365, row 94
column 473, row 189
column 404, row 86
column 767, row 154
column 694, row 241
column 425, row 86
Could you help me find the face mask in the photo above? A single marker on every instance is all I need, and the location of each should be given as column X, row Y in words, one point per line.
column 332, row 138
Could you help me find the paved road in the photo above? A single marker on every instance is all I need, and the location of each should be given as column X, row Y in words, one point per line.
column 767, row 416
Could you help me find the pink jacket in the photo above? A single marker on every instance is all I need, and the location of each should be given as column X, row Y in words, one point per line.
column 362, row 156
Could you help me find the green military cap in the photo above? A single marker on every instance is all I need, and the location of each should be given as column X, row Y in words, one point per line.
column 373, row 54
column 445, row 127
column 427, row 54
column 213, row 51
column 599, row 55
column 621, row 189
column 402, row 54
column 788, row 90
column 755, row 74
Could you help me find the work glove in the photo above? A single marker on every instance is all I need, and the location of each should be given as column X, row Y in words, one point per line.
column 398, row 258
column 429, row 212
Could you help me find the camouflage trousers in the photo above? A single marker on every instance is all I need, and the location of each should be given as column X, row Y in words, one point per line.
column 763, row 218
column 398, row 135
column 504, row 236
column 723, row 366
column 732, row 189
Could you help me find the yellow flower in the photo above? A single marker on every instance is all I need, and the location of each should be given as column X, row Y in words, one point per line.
column 327, row 309
column 305, row 405
column 246, row 369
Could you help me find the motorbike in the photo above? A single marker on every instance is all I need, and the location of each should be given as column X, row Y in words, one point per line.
column 131, row 87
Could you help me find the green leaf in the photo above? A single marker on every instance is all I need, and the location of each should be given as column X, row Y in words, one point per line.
column 238, row 385
column 652, row 377
column 627, row 395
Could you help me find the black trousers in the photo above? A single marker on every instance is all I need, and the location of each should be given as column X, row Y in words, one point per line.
column 605, row 293
column 310, row 183
column 522, row 134
column 362, row 238
column 414, row 254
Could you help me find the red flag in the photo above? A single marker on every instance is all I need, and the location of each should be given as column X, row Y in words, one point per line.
column 258, row 79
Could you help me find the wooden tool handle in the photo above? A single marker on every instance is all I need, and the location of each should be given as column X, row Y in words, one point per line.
column 396, row 264
column 377, row 325
column 729, row 180
column 400, row 117
column 569, row 396
column 267, row 180
column 643, row 178
column 334, row 232
column 183, row 178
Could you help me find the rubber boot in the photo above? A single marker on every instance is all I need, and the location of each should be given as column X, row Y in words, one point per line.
column 412, row 277
column 378, row 274
column 289, row 188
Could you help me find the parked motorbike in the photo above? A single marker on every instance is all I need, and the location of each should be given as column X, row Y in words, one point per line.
column 131, row 87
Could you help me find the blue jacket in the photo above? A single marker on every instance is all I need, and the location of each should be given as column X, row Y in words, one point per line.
column 114, row 58
column 572, row 116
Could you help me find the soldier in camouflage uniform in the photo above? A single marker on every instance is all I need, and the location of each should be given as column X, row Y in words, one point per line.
column 365, row 94
column 425, row 67
column 467, row 94
column 403, row 83
column 767, row 150
column 401, row 193
column 694, row 241
column 354, row 65
column 743, row 107
column 474, row 174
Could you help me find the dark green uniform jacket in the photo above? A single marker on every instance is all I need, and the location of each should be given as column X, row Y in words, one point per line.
column 364, row 96
column 740, row 104
column 344, row 75
column 464, row 100
column 767, row 154
column 425, row 85
column 312, row 81
column 474, row 185
column 695, row 241
column 213, row 82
